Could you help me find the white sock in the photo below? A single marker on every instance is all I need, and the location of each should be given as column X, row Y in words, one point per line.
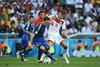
column 42, row 57
column 65, row 53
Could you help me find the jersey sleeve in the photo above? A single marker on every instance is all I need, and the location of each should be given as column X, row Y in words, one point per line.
column 36, row 30
column 63, row 25
column 50, row 16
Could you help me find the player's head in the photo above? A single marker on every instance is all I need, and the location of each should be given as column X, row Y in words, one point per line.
column 46, row 21
column 86, row 47
column 61, row 14
column 79, row 41
column 41, row 14
column 2, row 42
column 31, row 19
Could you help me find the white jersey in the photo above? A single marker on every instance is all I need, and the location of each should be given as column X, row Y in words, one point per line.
column 57, row 23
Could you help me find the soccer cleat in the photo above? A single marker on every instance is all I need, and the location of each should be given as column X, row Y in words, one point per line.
column 25, row 59
column 39, row 61
column 53, row 60
column 22, row 57
column 67, row 61
column 17, row 55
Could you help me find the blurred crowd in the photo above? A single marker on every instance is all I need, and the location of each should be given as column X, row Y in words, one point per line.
column 82, row 16
column 83, row 50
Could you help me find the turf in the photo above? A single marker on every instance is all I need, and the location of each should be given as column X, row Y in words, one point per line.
column 74, row 62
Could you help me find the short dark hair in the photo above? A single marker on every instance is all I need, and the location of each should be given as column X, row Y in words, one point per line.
column 41, row 12
column 2, row 42
column 95, row 39
column 63, row 12
column 86, row 47
column 46, row 18
column 79, row 41
column 31, row 16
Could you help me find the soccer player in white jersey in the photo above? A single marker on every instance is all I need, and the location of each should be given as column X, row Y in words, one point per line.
column 53, row 32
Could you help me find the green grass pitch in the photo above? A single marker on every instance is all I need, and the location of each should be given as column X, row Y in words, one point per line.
column 74, row 62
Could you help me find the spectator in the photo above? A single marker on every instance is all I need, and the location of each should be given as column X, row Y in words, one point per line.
column 88, row 6
column 88, row 19
column 79, row 28
column 75, row 16
column 79, row 4
column 3, row 48
column 97, row 10
column 19, row 30
column 39, row 19
column 70, row 4
column 54, row 11
column 81, row 45
column 5, row 26
column 72, row 30
column 1, row 27
column 35, row 3
column 86, row 29
column 97, row 44
column 14, row 18
column 93, row 53
column 93, row 24
column 87, row 52
column 77, row 52
column 12, row 29
column 20, row 23
column 98, row 28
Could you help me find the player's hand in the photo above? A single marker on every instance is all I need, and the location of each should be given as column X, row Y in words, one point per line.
column 68, row 38
column 32, row 35
column 31, row 46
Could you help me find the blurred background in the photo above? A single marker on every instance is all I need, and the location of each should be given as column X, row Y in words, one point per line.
column 82, row 16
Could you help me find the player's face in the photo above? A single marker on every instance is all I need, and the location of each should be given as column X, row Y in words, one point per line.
column 61, row 16
column 42, row 15
column 46, row 23
column 31, row 19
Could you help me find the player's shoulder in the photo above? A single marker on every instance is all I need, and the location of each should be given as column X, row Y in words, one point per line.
column 50, row 16
column 63, row 21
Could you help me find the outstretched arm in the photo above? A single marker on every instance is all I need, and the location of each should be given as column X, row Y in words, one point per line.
column 31, row 39
column 65, row 34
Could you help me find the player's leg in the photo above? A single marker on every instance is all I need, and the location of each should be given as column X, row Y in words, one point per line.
column 26, row 50
column 60, row 40
column 39, row 54
column 64, row 45
column 19, row 53
column 45, row 49
column 50, row 43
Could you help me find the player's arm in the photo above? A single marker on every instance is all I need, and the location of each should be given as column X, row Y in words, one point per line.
column 33, row 34
column 65, row 34
column 64, row 31
column 31, row 40
column 51, row 19
column 27, row 32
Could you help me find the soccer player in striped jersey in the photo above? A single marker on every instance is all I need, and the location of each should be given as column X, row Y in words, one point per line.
column 53, row 32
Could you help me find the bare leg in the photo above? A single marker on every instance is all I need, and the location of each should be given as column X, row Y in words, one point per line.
column 64, row 45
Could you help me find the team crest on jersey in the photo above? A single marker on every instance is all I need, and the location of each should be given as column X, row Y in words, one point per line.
column 57, row 20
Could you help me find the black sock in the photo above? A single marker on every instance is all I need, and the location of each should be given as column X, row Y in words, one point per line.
column 48, row 55
column 39, row 54
column 26, row 52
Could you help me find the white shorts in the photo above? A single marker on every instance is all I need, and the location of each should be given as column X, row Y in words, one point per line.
column 55, row 39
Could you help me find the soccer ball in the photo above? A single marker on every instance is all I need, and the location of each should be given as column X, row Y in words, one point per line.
column 47, row 60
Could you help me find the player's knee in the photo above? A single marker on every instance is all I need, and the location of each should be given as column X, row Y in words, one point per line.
column 50, row 43
column 42, row 47
column 65, row 47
